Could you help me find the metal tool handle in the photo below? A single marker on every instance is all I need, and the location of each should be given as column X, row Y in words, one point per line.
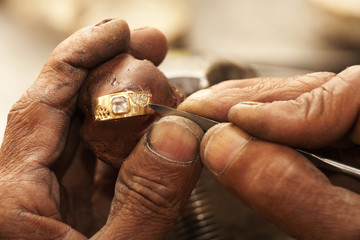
column 331, row 164
column 318, row 161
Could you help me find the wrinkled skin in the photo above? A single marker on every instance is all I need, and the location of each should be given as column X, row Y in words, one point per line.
column 52, row 187
column 112, row 141
column 251, row 156
column 46, row 175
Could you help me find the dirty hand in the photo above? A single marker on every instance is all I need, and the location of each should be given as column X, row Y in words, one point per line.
column 47, row 184
column 251, row 158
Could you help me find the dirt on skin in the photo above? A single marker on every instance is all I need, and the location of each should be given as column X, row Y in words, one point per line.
column 113, row 140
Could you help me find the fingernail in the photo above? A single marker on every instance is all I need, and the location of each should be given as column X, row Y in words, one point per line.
column 201, row 95
column 250, row 103
column 192, row 101
column 317, row 74
column 140, row 29
column 103, row 22
column 222, row 145
column 233, row 111
column 175, row 139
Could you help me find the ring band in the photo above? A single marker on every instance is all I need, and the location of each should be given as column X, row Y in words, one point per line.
column 122, row 105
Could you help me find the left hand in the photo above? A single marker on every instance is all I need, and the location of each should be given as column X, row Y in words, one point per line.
column 47, row 184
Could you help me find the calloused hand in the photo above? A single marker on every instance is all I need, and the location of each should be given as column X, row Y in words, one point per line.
column 251, row 156
column 50, row 186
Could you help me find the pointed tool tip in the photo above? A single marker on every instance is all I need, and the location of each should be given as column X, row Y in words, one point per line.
column 159, row 108
column 152, row 106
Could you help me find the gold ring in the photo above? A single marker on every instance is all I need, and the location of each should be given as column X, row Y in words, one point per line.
column 122, row 105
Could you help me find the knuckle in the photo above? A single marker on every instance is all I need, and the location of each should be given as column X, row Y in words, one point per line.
column 264, row 86
column 58, row 83
column 20, row 105
column 146, row 194
column 316, row 103
column 28, row 133
column 312, row 80
column 272, row 89
column 19, row 127
column 21, row 224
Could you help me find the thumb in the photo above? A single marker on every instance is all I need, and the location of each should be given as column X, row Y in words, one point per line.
column 314, row 119
column 280, row 184
column 155, row 181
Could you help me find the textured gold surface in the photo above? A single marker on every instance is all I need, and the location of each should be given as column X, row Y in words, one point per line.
column 122, row 105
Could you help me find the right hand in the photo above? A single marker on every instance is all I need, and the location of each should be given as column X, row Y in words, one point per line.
column 251, row 158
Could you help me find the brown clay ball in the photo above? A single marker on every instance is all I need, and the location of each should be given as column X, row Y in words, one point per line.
column 113, row 140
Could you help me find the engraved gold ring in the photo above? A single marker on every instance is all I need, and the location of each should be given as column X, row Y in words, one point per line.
column 122, row 105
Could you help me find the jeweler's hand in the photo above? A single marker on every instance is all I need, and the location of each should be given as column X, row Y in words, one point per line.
column 251, row 158
column 49, row 185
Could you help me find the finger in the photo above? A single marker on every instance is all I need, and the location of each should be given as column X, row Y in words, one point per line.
column 77, row 186
column 68, row 65
column 280, row 184
column 71, row 148
column 37, row 123
column 103, row 193
column 32, row 226
column 155, row 181
column 314, row 119
column 148, row 43
column 216, row 101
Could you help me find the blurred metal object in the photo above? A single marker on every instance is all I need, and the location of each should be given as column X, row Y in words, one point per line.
column 197, row 220
column 191, row 72
column 331, row 165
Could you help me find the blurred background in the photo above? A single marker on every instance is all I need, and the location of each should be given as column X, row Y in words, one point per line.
column 275, row 38
column 279, row 36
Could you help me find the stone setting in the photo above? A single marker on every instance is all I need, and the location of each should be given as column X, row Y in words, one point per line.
column 119, row 105
column 122, row 105
column 140, row 99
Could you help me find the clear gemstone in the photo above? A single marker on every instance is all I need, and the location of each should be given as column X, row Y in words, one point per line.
column 119, row 105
